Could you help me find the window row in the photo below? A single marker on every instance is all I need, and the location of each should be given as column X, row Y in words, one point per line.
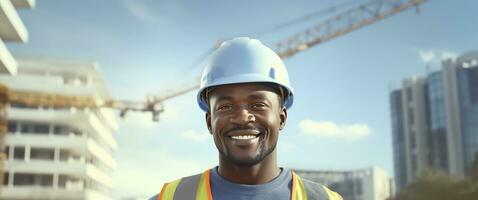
column 38, row 153
column 39, row 128
column 48, row 154
column 42, row 180
column 42, row 128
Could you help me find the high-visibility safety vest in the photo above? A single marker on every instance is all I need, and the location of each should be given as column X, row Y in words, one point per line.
column 198, row 187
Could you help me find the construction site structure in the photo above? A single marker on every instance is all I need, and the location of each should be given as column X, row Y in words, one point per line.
column 12, row 29
column 60, row 140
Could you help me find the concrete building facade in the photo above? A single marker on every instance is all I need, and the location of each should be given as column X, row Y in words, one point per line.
column 367, row 184
column 53, row 152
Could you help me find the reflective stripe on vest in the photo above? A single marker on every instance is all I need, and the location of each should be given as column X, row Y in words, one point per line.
column 198, row 187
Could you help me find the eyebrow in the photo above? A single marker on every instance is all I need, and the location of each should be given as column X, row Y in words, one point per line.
column 224, row 98
column 257, row 97
column 252, row 96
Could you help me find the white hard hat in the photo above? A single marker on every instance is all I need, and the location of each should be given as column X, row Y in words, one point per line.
column 244, row 60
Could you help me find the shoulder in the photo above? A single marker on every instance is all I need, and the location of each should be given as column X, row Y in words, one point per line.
column 318, row 191
column 186, row 183
column 167, row 190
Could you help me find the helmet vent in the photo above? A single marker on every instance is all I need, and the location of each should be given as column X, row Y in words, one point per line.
column 272, row 73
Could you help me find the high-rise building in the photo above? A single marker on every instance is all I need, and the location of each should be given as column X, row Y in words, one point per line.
column 367, row 184
column 435, row 121
column 57, row 152
column 409, row 129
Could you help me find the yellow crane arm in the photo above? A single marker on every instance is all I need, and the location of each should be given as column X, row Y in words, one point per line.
column 343, row 23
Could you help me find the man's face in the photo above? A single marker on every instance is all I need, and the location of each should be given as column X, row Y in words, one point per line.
column 245, row 120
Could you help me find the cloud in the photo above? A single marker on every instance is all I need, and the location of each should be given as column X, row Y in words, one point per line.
column 142, row 12
column 328, row 129
column 435, row 56
column 169, row 12
column 194, row 135
column 426, row 56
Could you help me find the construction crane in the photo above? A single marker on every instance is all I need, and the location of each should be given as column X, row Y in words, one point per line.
column 333, row 27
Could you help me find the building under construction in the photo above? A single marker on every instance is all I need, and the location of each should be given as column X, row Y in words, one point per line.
column 58, row 152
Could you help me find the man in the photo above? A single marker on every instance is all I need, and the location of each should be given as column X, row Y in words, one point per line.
column 245, row 93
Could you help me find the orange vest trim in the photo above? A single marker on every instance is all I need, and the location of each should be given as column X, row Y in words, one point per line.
column 204, row 186
column 160, row 196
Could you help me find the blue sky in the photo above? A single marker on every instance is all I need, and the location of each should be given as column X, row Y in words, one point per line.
column 340, row 118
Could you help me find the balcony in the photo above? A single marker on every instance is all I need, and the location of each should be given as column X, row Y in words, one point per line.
column 11, row 26
column 81, row 146
column 8, row 65
column 77, row 169
column 82, row 119
column 37, row 192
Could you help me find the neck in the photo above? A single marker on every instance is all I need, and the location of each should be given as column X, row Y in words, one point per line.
column 262, row 172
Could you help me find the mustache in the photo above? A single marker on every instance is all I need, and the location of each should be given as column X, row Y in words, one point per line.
column 244, row 128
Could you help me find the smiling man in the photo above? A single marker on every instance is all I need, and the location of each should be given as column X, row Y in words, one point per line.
column 245, row 93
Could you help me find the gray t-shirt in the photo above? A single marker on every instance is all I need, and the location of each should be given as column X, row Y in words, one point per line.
column 278, row 189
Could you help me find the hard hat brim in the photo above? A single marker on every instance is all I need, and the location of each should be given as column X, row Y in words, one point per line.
column 243, row 78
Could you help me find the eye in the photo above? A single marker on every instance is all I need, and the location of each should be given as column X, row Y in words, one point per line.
column 225, row 107
column 259, row 105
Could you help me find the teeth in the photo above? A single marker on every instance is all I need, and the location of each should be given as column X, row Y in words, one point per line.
column 243, row 137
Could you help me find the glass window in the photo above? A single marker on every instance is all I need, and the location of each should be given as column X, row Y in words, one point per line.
column 19, row 153
column 42, row 154
column 473, row 82
column 22, row 179
column 409, row 94
column 62, row 181
column 411, row 119
column 5, row 178
column 12, row 127
column 414, row 164
column 60, row 130
column 7, row 151
column 45, row 180
column 413, row 143
column 34, row 128
column 64, row 154
column 359, row 186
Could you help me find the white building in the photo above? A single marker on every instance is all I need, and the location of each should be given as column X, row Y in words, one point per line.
column 58, row 153
column 367, row 184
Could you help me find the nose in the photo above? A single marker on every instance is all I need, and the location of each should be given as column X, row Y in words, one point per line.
column 242, row 116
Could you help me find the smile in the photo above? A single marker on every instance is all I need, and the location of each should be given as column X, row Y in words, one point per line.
column 243, row 137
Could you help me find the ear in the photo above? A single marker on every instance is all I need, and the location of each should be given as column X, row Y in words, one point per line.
column 283, row 117
column 208, row 122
